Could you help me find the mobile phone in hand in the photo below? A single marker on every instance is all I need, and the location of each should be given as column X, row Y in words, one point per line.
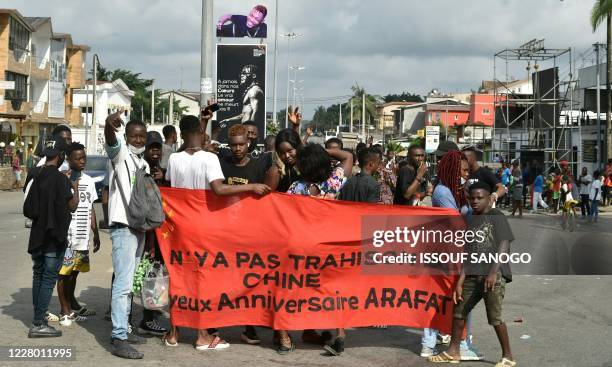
column 212, row 108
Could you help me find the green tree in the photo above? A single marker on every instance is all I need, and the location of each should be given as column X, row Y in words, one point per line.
column 102, row 73
column 141, row 101
column 371, row 102
column 404, row 97
column 602, row 10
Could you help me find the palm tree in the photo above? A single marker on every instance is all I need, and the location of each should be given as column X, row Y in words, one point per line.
column 370, row 103
column 603, row 10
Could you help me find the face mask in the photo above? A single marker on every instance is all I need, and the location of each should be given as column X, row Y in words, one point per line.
column 137, row 151
column 462, row 181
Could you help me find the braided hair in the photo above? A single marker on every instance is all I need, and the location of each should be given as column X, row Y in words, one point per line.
column 449, row 174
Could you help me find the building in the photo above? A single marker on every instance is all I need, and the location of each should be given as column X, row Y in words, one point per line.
column 389, row 116
column 40, row 69
column 189, row 100
column 110, row 97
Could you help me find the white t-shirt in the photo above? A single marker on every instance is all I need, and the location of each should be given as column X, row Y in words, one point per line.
column 64, row 167
column 585, row 184
column 126, row 163
column 595, row 193
column 78, row 232
column 195, row 171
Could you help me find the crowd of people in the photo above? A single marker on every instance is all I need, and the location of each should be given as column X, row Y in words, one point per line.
column 59, row 200
column 557, row 190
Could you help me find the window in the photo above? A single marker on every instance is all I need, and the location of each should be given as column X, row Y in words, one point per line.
column 19, row 37
column 456, row 117
column 485, row 111
column 437, row 116
column 86, row 109
column 19, row 93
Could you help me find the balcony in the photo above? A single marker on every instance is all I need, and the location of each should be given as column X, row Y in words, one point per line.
column 17, row 110
column 19, row 62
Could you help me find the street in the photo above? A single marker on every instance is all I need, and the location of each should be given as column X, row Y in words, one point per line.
column 553, row 320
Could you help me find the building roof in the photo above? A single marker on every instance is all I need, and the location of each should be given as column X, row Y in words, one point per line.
column 37, row 22
column 17, row 15
column 194, row 96
column 117, row 84
column 448, row 107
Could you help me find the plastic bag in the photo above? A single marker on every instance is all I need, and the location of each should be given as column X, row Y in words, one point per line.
column 141, row 270
column 155, row 287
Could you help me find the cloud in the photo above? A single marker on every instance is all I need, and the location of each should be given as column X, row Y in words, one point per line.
column 387, row 46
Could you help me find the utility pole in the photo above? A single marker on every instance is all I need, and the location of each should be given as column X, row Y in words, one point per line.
column 340, row 116
column 171, row 107
column 289, row 36
column 206, row 89
column 363, row 109
column 599, row 146
column 351, row 127
column 274, row 102
column 94, row 123
column 152, row 103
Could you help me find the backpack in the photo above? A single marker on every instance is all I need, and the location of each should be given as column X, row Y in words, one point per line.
column 144, row 212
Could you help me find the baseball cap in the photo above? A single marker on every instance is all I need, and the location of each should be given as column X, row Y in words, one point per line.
column 54, row 146
column 445, row 147
column 153, row 137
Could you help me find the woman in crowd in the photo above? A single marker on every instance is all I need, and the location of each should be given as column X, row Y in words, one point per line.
column 517, row 189
column 286, row 145
column 320, row 180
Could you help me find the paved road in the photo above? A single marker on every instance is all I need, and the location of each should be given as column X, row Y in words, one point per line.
column 567, row 318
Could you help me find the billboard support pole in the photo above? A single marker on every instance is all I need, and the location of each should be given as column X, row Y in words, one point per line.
column 274, row 101
column 206, row 60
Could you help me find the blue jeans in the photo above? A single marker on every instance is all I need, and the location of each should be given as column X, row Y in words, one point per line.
column 429, row 338
column 594, row 213
column 45, row 270
column 127, row 250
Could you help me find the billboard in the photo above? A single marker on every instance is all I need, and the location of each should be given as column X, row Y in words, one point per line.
column 251, row 25
column 241, row 88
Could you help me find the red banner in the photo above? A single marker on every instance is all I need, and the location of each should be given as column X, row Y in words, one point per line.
column 287, row 262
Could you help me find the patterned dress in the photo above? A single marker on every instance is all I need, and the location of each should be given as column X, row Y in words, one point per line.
column 328, row 189
column 386, row 177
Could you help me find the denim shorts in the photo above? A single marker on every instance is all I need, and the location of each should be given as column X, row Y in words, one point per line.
column 473, row 292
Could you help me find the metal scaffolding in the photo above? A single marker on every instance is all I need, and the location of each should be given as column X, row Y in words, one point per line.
column 537, row 133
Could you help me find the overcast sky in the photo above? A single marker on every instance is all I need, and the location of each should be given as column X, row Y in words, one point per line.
column 387, row 46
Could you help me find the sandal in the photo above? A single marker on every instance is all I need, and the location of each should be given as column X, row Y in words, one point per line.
column 216, row 344
column 505, row 362
column 336, row 348
column 283, row 349
column 443, row 358
column 167, row 343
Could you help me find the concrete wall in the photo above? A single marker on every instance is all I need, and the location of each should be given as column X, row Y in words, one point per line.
column 7, row 178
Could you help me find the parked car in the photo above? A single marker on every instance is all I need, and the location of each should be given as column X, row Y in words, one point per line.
column 97, row 168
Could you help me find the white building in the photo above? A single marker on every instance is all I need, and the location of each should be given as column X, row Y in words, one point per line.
column 190, row 100
column 110, row 97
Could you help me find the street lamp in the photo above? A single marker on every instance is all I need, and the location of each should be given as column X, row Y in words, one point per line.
column 290, row 36
column 295, row 69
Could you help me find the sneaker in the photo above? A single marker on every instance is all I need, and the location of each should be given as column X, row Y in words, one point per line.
column 336, row 348
column 43, row 331
column 471, row 354
column 122, row 349
column 151, row 328
column 427, row 352
column 249, row 336
column 51, row 317
column 65, row 320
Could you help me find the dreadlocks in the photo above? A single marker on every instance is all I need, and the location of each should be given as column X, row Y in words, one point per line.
column 449, row 173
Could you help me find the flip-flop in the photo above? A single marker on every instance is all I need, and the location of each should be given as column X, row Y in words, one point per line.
column 505, row 362
column 216, row 344
column 168, row 344
column 443, row 358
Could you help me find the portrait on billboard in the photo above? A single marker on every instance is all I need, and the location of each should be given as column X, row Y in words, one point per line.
column 252, row 25
column 241, row 78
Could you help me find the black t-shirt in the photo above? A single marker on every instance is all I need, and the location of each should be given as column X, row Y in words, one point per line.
column 362, row 188
column 291, row 175
column 485, row 175
column 238, row 28
column 405, row 178
column 49, row 193
column 494, row 228
column 250, row 173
